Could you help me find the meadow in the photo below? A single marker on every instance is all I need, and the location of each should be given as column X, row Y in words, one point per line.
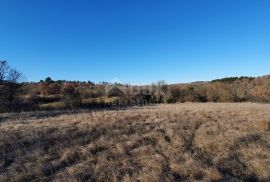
column 178, row 142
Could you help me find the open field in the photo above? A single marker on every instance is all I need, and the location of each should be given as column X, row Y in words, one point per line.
column 180, row 142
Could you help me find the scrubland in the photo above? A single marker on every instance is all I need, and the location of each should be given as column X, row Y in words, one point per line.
column 179, row 142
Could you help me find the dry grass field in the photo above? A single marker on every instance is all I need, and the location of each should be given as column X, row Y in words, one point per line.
column 181, row 142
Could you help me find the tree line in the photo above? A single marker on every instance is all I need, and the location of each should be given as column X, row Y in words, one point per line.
column 49, row 94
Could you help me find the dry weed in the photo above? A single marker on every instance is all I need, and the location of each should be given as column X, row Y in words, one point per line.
column 181, row 142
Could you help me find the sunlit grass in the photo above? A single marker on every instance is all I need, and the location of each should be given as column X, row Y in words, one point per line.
column 161, row 143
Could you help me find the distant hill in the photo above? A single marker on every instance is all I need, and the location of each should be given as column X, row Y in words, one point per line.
column 54, row 95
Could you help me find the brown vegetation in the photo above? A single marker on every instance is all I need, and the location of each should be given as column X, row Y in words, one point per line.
column 55, row 95
column 9, row 87
column 180, row 142
column 63, row 95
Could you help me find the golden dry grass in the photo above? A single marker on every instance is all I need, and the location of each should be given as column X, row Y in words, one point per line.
column 181, row 142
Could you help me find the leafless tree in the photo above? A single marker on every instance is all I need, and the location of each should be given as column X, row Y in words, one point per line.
column 9, row 82
column 162, row 86
column 3, row 71
column 14, row 76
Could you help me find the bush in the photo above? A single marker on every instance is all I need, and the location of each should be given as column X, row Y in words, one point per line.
column 71, row 97
column 168, row 99
column 72, row 101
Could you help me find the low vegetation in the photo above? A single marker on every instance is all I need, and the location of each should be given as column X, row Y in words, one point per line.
column 179, row 142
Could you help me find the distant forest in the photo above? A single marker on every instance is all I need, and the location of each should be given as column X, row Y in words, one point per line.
column 49, row 94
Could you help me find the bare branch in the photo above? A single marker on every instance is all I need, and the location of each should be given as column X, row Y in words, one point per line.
column 4, row 69
column 14, row 76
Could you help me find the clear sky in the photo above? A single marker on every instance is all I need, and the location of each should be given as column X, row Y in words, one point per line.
column 136, row 41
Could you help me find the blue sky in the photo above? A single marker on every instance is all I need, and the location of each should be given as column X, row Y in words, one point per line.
column 136, row 41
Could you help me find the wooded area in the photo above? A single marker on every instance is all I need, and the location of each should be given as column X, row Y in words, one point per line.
column 48, row 94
